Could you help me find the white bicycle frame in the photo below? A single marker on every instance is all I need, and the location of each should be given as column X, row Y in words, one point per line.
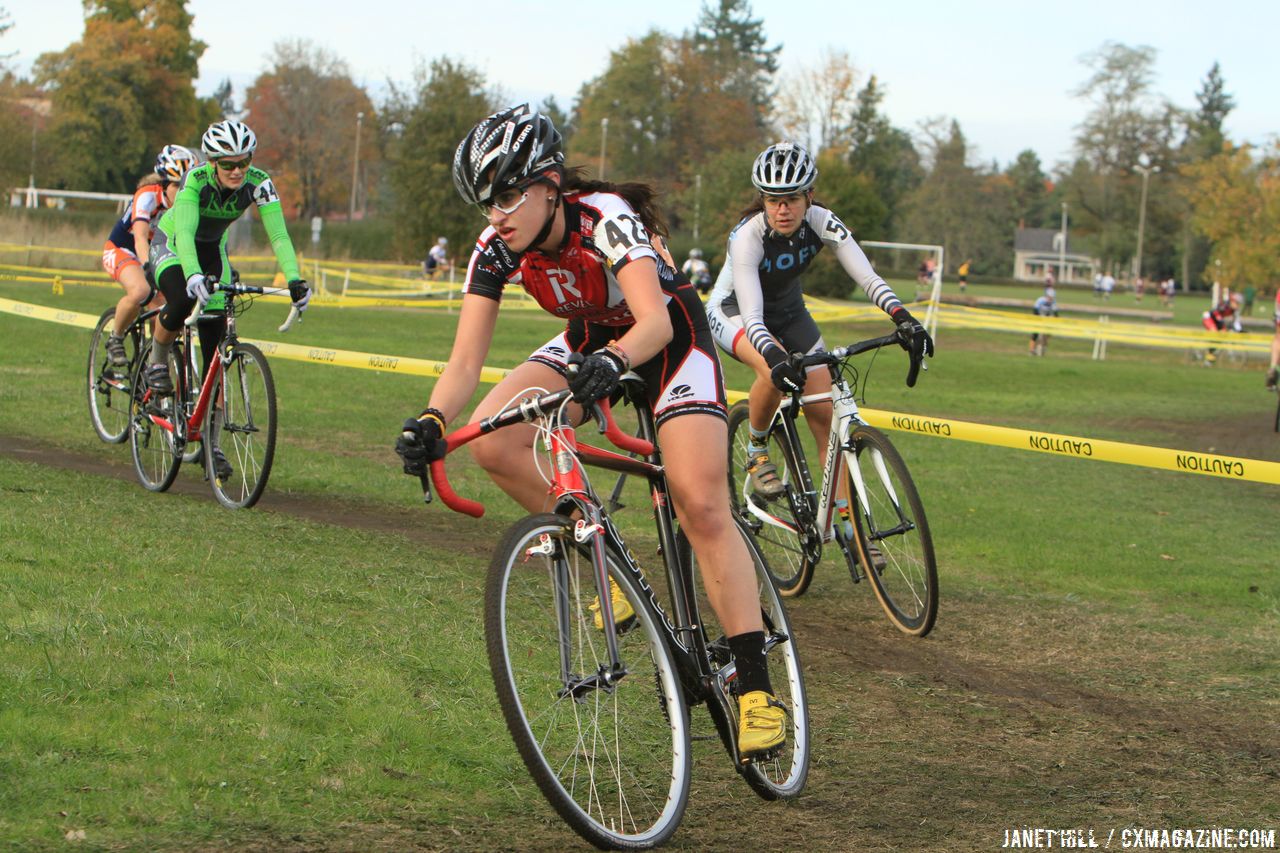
column 845, row 416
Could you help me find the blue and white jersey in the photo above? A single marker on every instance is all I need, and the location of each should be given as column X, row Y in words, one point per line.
column 764, row 268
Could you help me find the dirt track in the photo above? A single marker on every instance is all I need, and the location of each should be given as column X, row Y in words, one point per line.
column 934, row 744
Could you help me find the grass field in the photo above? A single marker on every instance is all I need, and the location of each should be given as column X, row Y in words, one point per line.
column 311, row 674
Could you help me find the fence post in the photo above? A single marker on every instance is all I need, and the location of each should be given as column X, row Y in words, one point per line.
column 1100, row 343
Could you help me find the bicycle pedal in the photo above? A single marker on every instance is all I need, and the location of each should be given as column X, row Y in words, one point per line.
column 767, row 755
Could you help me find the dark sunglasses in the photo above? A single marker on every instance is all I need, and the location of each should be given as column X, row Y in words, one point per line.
column 232, row 165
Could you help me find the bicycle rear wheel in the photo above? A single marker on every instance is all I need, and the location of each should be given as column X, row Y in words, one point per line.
column 241, row 423
column 613, row 760
column 109, row 387
column 892, row 533
column 782, row 776
column 157, row 428
column 777, row 526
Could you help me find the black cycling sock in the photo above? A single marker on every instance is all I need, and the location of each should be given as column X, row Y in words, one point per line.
column 753, row 669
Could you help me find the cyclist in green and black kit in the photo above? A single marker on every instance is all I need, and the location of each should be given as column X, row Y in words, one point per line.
column 189, row 248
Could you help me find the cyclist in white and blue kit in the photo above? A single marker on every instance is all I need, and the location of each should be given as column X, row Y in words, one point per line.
column 757, row 311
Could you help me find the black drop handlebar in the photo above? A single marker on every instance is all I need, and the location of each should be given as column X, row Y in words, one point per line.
column 839, row 354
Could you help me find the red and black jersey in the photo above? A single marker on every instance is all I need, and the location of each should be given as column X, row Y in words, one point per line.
column 602, row 235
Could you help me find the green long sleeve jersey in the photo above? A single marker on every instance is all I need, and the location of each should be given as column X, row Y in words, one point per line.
column 203, row 211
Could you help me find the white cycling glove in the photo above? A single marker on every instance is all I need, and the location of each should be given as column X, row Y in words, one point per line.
column 198, row 287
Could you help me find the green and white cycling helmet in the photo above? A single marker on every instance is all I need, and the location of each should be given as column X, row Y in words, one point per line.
column 784, row 168
column 228, row 139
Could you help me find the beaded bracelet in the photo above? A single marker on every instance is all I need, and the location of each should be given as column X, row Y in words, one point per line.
column 619, row 353
column 433, row 414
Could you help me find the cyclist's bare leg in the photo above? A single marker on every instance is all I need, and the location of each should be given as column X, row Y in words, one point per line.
column 695, row 453
column 130, row 305
column 763, row 399
column 507, row 456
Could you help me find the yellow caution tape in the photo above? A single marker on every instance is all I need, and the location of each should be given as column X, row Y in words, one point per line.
column 1075, row 447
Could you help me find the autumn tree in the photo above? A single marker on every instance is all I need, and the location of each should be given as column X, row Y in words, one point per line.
column 1235, row 199
column 123, row 91
column 1029, row 192
column 422, row 127
column 816, row 103
column 306, row 111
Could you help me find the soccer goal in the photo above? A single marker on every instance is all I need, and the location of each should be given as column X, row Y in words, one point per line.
column 919, row 261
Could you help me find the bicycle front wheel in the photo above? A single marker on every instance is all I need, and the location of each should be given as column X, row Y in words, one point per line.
column 777, row 525
column 109, row 387
column 613, row 759
column 240, row 424
column 783, row 775
column 892, row 533
column 157, row 428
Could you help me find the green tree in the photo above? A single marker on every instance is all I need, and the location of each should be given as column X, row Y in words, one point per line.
column 422, row 128
column 123, row 91
column 735, row 43
column 1126, row 125
column 1029, row 189
column 885, row 154
column 306, row 111
column 552, row 110
column 1204, row 139
column 958, row 206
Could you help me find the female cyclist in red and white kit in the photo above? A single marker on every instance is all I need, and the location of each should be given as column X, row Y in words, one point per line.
column 1274, row 373
column 126, row 251
column 584, row 250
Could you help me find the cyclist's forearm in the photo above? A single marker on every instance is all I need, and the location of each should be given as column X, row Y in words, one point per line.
column 186, row 218
column 141, row 241
column 278, row 233
column 855, row 263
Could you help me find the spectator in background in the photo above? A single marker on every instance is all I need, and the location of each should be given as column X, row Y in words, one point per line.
column 1139, row 286
column 1274, row 372
column 1097, row 285
column 437, row 259
column 1046, row 306
column 963, row 272
column 696, row 270
column 1250, row 294
column 1049, row 280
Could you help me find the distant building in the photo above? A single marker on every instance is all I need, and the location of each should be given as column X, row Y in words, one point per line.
column 1036, row 250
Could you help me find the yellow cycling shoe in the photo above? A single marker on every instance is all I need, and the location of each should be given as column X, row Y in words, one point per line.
column 762, row 723
column 623, row 612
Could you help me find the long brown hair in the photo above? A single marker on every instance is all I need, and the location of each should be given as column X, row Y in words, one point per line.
column 641, row 197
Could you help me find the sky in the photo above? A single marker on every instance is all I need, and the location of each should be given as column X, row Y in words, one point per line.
column 1006, row 70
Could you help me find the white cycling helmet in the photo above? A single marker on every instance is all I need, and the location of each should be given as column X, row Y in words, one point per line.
column 784, row 168
column 228, row 139
column 695, row 253
column 173, row 162
column 507, row 149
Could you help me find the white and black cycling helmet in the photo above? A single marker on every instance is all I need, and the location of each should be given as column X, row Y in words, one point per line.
column 784, row 168
column 228, row 139
column 173, row 162
column 511, row 147
column 695, row 253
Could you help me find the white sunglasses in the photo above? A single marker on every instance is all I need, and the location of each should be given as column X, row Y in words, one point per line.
column 487, row 208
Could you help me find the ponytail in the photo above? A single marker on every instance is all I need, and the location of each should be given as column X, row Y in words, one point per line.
column 641, row 197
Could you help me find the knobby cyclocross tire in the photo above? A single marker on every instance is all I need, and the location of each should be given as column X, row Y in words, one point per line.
column 615, row 761
column 781, row 538
column 889, row 517
column 783, row 775
column 241, row 422
column 109, row 387
column 156, row 446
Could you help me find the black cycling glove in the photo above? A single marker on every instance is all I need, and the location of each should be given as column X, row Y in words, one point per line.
column 912, row 334
column 421, row 442
column 596, row 377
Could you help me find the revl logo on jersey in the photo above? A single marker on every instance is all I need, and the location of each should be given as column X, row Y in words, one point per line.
column 562, row 280
column 785, row 262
